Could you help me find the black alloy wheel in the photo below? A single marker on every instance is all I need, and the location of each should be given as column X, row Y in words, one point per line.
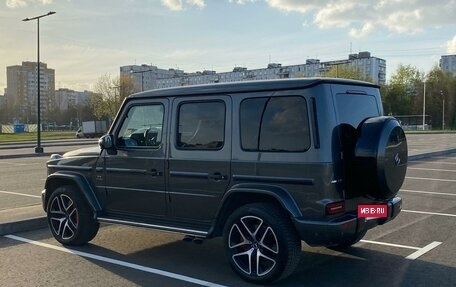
column 261, row 244
column 70, row 219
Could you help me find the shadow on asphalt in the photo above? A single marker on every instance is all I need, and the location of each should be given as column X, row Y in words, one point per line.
column 357, row 266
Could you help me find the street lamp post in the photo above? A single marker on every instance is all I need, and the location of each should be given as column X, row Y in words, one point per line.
column 443, row 110
column 38, row 148
column 424, row 102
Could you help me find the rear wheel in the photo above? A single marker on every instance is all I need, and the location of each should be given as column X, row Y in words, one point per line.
column 70, row 218
column 261, row 243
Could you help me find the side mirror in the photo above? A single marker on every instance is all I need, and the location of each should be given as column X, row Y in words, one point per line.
column 107, row 142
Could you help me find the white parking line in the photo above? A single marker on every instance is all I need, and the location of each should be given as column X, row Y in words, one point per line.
column 423, row 250
column 432, row 179
column 431, row 169
column 419, row 251
column 21, row 194
column 427, row 192
column 390, row 244
column 445, row 157
column 117, row 262
column 429, row 213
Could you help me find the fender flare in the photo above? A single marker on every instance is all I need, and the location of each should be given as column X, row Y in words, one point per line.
column 279, row 194
column 78, row 180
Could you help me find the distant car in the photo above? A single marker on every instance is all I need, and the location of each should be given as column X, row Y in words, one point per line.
column 79, row 133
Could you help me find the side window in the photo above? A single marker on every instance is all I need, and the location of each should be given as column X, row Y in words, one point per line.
column 275, row 124
column 201, row 125
column 142, row 127
column 251, row 113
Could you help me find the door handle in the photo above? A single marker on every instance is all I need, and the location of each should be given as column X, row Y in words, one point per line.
column 217, row 176
column 154, row 172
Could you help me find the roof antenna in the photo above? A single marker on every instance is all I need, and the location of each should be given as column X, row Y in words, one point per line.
column 351, row 48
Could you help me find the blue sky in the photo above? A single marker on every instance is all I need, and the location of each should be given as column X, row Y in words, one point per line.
column 86, row 39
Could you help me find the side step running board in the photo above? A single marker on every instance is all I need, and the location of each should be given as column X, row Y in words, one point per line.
column 155, row 226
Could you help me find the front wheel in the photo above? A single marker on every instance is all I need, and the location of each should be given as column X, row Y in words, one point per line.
column 70, row 218
column 261, row 243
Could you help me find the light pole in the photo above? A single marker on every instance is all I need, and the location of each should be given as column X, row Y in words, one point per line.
column 142, row 76
column 424, row 102
column 38, row 148
column 443, row 110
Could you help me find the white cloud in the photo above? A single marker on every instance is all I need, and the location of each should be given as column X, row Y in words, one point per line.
column 178, row 5
column 175, row 5
column 365, row 30
column 23, row 3
column 242, row 2
column 15, row 3
column 295, row 5
column 198, row 3
column 398, row 16
column 451, row 46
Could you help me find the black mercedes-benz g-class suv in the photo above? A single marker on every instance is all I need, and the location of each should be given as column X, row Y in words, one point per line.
column 265, row 164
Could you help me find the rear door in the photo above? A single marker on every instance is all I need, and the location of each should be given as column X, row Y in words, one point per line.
column 200, row 151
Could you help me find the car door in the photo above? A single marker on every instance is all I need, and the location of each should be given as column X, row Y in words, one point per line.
column 199, row 161
column 135, row 183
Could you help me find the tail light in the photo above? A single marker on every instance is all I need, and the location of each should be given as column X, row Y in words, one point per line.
column 335, row 207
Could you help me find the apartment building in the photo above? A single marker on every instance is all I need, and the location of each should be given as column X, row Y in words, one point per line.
column 64, row 98
column 22, row 90
column 150, row 77
column 448, row 64
column 146, row 77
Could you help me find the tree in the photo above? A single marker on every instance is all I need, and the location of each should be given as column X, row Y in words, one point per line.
column 440, row 88
column 403, row 95
column 347, row 72
column 109, row 95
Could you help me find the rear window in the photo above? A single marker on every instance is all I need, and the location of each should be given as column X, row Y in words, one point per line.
column 353, row 108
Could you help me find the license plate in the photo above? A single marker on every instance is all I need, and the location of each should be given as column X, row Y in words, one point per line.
column 372, row 211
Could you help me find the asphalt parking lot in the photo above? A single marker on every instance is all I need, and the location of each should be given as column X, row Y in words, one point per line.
column 418, row 248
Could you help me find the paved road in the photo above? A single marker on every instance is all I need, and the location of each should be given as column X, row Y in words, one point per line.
column 125, row 256
column 25, row 173
column 419, row 143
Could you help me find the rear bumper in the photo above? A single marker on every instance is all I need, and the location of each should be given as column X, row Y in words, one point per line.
column 329, row 233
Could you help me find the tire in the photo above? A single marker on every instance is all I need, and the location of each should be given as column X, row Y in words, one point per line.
column 263, row 232
column 69, row 217
column 348, row 241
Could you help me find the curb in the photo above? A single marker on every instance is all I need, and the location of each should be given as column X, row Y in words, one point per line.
column 431, row 154
column 46, row 145
column 45, row 154
column 24, row 155
column 23, row 225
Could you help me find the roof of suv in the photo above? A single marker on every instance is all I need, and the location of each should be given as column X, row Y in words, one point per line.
column 248, row 86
